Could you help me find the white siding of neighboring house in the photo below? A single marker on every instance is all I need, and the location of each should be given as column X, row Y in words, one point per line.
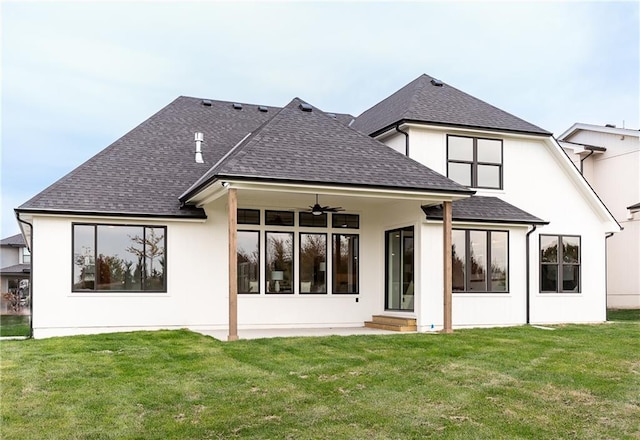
column 9, row 256
column 537, row 181
column 614, row 175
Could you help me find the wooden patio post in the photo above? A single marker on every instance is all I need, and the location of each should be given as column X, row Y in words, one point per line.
column 447, row 272
column 233, row 265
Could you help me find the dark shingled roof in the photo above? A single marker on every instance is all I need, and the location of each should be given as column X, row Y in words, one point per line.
column 145, row 171
column 16, row 269
column 484, row 210
column 421, row 101
column 13, row 241
column 312, row 147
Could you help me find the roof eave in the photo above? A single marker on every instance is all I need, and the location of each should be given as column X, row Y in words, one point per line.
column 463, row 126
column 71, row 212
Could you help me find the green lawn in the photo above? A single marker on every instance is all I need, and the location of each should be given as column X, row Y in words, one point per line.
column 574, row 382
column 14, row 325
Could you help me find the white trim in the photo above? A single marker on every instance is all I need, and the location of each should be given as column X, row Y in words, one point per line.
column 599, row 129
column 213, row 191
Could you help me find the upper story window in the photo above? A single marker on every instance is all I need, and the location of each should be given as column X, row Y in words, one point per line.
column 119, row 258
column 475, row 162
column 26, row 255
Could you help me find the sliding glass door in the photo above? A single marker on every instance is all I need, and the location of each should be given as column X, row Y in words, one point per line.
column 399, row 269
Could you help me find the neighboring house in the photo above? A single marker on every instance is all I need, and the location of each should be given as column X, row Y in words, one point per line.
column 198, row 218
column 609, row 159
column 15, row 268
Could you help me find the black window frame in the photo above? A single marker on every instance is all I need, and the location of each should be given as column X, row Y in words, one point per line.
column 293, row 261
column 326, row 262
column 346, row 225
column 243, row 216
column 95, row 258
column 259, row 265
column 278, row 212
column 317, row 221
column 559, row 264
column 334, row 272
column 489, row 272
column 475, row 163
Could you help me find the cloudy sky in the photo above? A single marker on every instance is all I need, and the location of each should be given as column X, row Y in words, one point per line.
column 78, row 75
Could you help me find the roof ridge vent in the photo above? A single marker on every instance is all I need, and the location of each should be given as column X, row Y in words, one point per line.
column 206, row 102
column 305, row 107
column 436, row 82
column 237, row 106
column 263, row 108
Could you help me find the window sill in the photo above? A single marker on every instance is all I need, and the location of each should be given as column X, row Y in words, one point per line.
column 102, row 294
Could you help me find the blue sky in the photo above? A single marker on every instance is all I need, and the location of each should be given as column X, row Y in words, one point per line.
column 78, row 75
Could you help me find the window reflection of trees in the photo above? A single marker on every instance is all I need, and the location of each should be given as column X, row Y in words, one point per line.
column 138, row 264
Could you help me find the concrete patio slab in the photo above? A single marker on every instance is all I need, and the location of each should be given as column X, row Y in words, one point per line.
column 297, row 332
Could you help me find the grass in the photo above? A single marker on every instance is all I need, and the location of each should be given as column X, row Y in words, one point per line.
column 623, row 315
column 575, row 382
column 14, row 325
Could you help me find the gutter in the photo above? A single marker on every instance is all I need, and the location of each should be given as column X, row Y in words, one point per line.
column 585, row 158
column 30, row 273
column 406, row 139
column 528, row 278
column 606, row 271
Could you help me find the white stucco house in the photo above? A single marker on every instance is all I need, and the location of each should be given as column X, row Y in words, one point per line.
column 432, row 206
column 609, row 158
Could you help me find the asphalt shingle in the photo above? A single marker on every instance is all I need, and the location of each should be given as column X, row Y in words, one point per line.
column 421, row 101
column 13, row 241
column 484, row 209
column 312, row 147
column 145, row 171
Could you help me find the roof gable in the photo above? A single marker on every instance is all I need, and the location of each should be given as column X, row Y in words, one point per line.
column 422, row 101
column 312, row 147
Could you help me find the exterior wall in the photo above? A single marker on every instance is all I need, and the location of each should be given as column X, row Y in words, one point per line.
column 537, row 181
column 57, row 311
column 10, row 255
column 614, row 176
column 472, row 309
column 197, row 276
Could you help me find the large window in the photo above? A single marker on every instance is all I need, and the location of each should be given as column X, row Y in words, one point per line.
column 119, row 258
column 480, row 261
column 345, row 263
column 248, row 261
column 313, row 263
column 559, row 263
column 323, row 261
column 475, row 162
column 279, row 267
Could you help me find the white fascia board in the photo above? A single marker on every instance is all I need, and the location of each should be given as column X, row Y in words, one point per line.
column 90, row 217
column 463, row 130
column 599, row 207
column 468, row 224
column 599, row 129
column 337, row 190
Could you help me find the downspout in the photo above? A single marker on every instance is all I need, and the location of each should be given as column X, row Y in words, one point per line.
column 606, row 271
column 529, row 275
column 406, row 139
column 585, row 158
column 30, row 274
